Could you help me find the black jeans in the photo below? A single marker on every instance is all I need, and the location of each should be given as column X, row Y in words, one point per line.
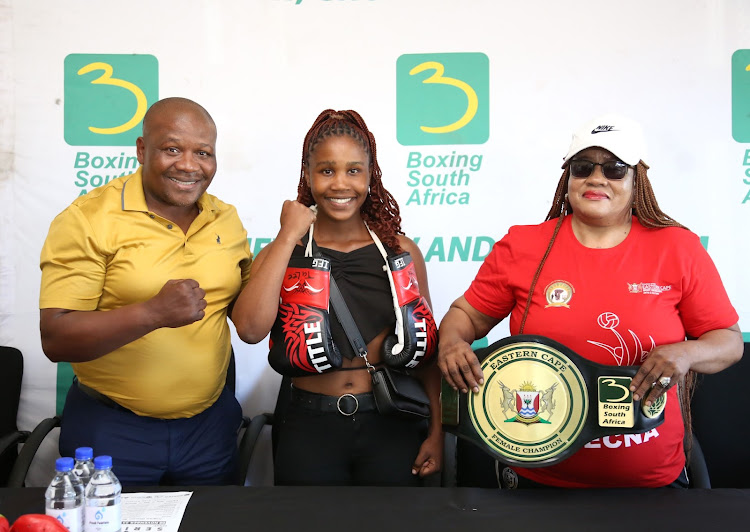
column 317, row 448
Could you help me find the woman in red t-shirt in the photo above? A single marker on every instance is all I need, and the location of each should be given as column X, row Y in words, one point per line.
column 619, row 282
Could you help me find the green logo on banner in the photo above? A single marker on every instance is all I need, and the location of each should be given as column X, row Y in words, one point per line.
column 442, row 99
column 106, row 96
column 741, row 95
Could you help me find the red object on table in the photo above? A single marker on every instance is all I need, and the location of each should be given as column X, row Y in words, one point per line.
column 36, row 523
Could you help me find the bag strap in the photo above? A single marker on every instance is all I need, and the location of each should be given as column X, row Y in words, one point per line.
column 346, row 319
column 348, row 323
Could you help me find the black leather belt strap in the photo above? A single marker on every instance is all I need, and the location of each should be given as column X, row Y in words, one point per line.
column 346, row 405
column 100, row 397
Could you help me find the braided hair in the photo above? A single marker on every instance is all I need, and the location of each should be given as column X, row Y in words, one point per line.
column 646, row 208
column 380, row 210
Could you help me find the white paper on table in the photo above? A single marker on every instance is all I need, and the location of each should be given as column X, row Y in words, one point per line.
column 154, row 512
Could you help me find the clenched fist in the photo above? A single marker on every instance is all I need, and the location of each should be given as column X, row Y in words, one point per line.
column 179, row 302
column 295, row 220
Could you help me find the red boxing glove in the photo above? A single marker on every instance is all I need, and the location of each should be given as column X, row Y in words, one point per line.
column 300, row 342
column 37, row 523
column 418, row 327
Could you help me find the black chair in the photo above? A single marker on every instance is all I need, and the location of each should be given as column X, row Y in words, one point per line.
column 697, row 469
column 14, row 464
column 249, row 438
column 11, row 364
column 719, row 408
column 259, row 422
column 17, row 477
column 248, row 433
column 473, row 468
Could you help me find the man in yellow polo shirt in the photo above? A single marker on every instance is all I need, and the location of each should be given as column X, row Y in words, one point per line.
column 138, row 278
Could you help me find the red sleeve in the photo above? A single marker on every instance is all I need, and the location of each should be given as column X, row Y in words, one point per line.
column 490, row 291
column 705, row 305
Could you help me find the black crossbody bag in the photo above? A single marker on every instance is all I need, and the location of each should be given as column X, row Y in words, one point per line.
column 396, row 391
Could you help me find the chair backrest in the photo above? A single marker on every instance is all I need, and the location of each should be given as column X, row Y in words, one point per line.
column 697, row 470
column 17, row 476
column 11, row 376
column 719, row 409
column 474, row 468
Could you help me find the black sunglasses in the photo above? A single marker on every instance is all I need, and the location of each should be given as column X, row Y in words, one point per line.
column 610, row 169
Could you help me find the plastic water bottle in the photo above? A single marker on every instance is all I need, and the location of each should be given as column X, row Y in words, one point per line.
column 103, row 511
column 64, row 496
column 84, row 466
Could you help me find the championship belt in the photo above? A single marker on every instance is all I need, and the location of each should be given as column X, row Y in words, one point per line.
column 541, row 402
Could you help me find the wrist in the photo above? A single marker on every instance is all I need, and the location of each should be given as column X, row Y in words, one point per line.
column 286, row 238
column 147, row 316
column 435, row 430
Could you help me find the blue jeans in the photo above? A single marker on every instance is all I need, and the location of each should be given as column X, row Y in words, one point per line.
column 200, row 450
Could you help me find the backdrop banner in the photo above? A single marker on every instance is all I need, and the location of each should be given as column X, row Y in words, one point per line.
column 472, row 104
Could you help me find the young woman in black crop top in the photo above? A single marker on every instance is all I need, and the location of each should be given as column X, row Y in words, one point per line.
column 320, row 440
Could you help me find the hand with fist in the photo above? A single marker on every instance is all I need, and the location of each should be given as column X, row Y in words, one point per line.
column 179, row 302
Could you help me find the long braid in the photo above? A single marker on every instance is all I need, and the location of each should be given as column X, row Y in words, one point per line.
column 560, row 207
column 538, row 273
column 650, row 215
column 646, row 208
column 380, row 210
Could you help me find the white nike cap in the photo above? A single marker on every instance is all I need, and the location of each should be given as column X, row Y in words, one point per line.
column 617, row 134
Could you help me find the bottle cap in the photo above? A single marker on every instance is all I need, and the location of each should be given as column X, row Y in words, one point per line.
column 84, row 453
column 103, row 462
column 64, row 464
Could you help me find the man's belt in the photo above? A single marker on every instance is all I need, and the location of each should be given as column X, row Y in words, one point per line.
column 100, row 397
column 540, row 402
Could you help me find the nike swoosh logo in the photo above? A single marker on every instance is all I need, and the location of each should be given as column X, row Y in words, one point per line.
column 409, row 285
column 602, row 129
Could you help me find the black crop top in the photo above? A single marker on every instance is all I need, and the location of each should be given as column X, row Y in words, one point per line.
column 363, row 283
